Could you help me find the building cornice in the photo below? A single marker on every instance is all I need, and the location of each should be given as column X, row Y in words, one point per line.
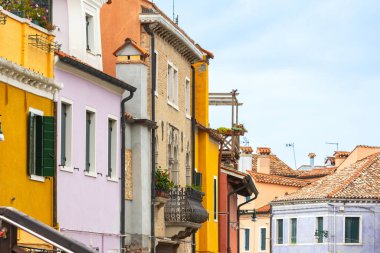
column 173, row 35
column 28, row 80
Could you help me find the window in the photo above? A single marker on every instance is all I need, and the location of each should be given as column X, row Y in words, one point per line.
column 41, row 145
column 352, row 230
column 173, row 150
column 246, row 239
column 187, row 97
column 319, row 232
column 280, row 231
column 90, row 39
column 293, row 231
column 188, row 167
column 90, row 142
column 215, row 198
column 263, row 239
column 66, row 134
column 112, row 148
column 172, row 85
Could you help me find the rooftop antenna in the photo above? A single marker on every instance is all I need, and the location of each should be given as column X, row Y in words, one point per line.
column 245, row 141
column 334, row 143
column 288, row 145
column 173, row 11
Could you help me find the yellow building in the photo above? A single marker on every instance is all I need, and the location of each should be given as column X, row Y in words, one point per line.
column 206, row 160
column 27, row 91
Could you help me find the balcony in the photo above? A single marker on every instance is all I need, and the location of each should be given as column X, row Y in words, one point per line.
column 184, row 213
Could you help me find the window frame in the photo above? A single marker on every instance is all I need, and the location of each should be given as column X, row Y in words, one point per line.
column 277, row 230
column 115, row 153
column 291, row 231
column 360, row 229
column 317, row 228
column 33, row 176
column 172, row 86
column 69, row 134
column 188, row 97
column 260, row 240
column 215, row 201
column 92, row 158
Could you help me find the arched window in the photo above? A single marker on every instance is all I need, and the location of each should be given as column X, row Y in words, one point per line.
column 188, row 166
column 173, row 150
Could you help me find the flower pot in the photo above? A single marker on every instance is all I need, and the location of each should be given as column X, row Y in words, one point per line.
column 162, row 194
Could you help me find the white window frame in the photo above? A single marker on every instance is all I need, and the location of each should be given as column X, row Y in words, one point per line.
column 92, row 10
column 115, row 155
column 172, row 86
column 360, row 229
column 245, row 238
column 290, row 230
column 157, row 68
column 92, row 172
column 260, row 239
column 35, row 177
column 188, row 97
column 69, row 136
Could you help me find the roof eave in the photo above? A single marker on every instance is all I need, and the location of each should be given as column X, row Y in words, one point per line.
column 151, row 18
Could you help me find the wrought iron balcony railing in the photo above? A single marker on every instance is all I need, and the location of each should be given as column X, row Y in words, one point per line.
column 185, row 206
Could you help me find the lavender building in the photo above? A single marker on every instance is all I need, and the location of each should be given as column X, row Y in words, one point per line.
column 339, row 213
column 89, row 178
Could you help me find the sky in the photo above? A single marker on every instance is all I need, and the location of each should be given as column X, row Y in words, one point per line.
column 308, row 72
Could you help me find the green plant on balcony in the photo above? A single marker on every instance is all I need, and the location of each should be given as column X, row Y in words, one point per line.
column 162, row 183
column 224, row 130
column 32, row 11
column 239, row 128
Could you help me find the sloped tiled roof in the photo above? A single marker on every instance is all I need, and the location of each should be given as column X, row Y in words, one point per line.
column 360, row 180
column 280, row 180
column 246, row 149
column 277, row 167
column 263, row 209
column 316, row 172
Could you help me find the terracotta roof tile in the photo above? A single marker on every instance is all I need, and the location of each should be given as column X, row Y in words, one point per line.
column 280, row 180
column 277, row 167
column 263, row 209
column 246, row 149
column 316, row 172
column 360, row 180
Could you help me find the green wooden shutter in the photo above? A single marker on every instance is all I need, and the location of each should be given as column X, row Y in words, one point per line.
column 48, row 146
column 63, row 133
column 263, row 245
column 30, row 144
column 320, row 229
column 38, row 169
column 109, row 148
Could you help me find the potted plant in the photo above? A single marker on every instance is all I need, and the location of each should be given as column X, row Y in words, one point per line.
column 224, row 131
column 36, row 14
column 162, row 183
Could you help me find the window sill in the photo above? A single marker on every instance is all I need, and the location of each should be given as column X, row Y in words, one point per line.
column 111, row 179
column 188, row 117
column 90, row 174
column 173, row 105
column 66, row 169
column 37, row 178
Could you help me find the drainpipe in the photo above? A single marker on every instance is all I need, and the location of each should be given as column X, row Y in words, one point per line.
column 270, row 230
column 153, row 154
column 122, row 198
column 193, row 138
column 238, row 216
column 229, row 214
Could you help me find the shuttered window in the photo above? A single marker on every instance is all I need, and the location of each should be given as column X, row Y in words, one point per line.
column 215, row 198
column 352, row 230
column 319, row 229
column 90, row 142
column 41, row 145
column 112, row 147
column 246, row 239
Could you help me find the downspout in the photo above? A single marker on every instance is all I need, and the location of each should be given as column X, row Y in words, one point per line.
column 193, row 139
column 55, row 178
column 270, row 230
column 153, row 148
column 229, row 214
column 122, row 198
column 238, row 216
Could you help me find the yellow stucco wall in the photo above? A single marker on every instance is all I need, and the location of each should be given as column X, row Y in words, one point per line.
column 16, row 188
column 206, row 162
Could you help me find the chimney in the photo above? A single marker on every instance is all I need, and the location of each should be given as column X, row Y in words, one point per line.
column 263, row 160
column 312, row 156
column 340, row 156
column 132, row 69
column 245, row 161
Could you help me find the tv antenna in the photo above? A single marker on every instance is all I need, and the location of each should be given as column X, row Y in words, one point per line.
column 334, row 143
column 245, row 141
column 175, row 19
column 291, row 145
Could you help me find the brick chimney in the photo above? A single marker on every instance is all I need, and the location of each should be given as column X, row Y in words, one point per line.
column 245, row 161
column 312, row 156
column 263, row 160
column 340, row 156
